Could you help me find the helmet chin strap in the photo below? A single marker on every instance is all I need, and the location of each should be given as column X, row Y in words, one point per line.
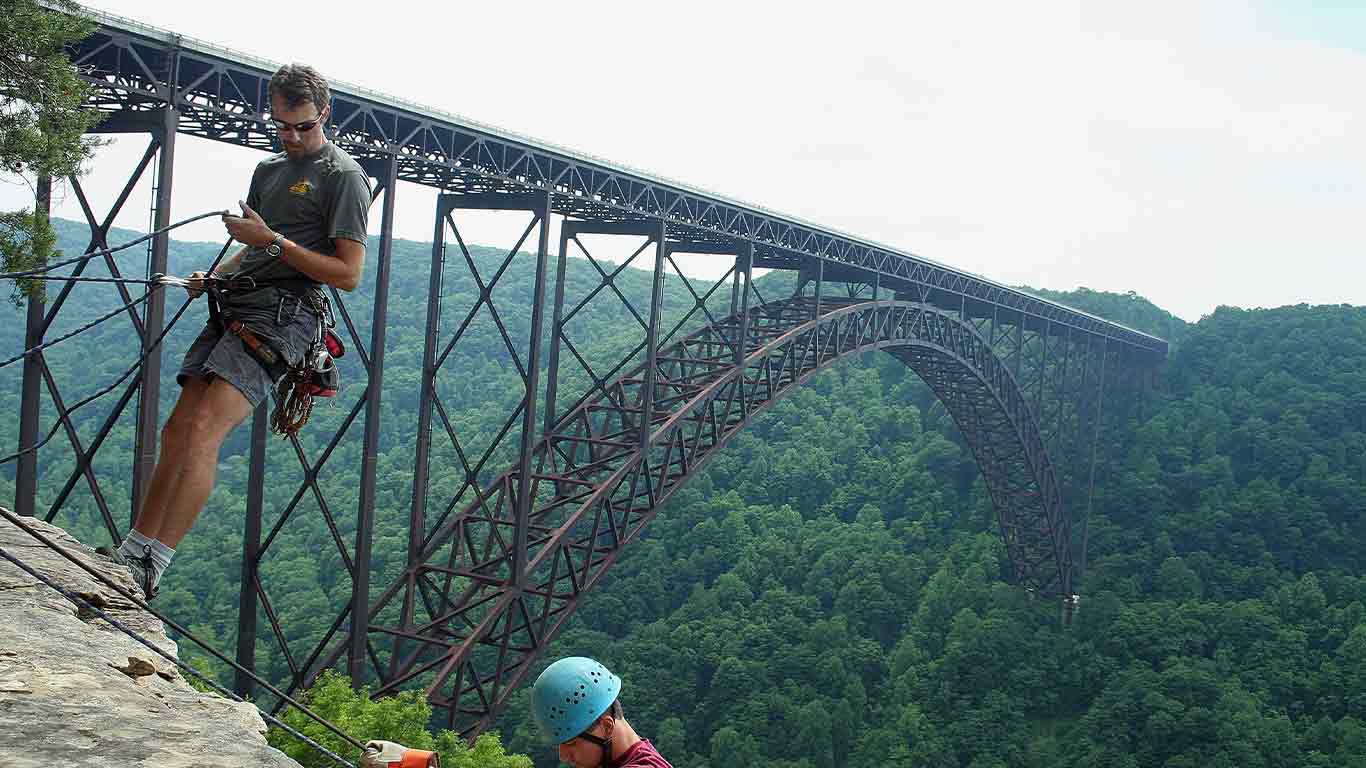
column 604, row 744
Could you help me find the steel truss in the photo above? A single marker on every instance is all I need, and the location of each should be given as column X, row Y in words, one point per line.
column 591, row 449
column 147, row 325
column 476, row 609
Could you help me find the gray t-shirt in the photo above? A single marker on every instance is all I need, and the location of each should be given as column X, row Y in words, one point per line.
column 310, row 201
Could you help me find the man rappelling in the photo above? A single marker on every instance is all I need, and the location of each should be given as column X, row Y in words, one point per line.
column 303, row 225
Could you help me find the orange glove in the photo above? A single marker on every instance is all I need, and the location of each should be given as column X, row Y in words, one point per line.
column 387, row 754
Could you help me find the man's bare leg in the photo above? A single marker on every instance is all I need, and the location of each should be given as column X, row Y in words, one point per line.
column 218, row 412
column 171, row 458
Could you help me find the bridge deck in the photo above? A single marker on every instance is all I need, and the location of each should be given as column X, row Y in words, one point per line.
column 220, row 94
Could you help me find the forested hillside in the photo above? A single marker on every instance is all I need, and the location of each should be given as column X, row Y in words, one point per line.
column 831, row 590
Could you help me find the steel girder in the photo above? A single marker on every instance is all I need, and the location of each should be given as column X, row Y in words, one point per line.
column 145, row 325
column 26, row 470
column 467, row 627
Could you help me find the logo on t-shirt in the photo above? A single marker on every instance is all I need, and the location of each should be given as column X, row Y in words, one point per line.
column 301, row 188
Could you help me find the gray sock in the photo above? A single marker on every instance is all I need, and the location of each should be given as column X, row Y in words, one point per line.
column 161, row 559
column 134, row 543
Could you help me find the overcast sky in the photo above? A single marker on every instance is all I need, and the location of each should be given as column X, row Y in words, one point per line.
column 1197, row 153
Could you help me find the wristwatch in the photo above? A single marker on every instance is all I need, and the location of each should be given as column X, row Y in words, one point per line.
column 276, row 247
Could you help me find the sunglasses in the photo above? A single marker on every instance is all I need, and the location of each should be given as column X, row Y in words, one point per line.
column 303, row 127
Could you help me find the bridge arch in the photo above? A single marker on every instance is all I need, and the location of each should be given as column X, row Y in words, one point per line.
column 470, row 628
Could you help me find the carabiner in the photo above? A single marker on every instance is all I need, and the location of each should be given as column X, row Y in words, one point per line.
column 280, row 309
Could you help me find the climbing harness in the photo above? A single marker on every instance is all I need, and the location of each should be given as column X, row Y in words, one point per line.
column 293, row 386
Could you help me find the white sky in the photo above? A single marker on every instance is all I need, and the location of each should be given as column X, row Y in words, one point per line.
column 1198, row 154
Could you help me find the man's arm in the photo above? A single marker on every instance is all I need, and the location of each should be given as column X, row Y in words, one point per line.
column 227, row 265
column 231, row 263
column 341, row 270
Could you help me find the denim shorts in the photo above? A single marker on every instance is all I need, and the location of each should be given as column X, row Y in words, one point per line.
column 216, row 352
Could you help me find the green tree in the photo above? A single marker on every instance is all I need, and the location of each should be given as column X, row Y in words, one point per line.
column 1175, row 580
column 730, row 747
column 43, row 118
column 401, row 719
column 864, row 616
column 1352, row 660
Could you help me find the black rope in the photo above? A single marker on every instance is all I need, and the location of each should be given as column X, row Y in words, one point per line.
column 67, row 414
column 105, row 251
column 70, row 279
column 82, row 329
column 140, row 361
column 161, row 281
column 103, row 579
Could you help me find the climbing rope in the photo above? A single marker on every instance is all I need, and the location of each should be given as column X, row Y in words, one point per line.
column 208, row 283
column 157, row 280
column 293, row 405
column 82, row 329
column 67, row 413
column 106, row 251
column 81, row 600
column 156, row 283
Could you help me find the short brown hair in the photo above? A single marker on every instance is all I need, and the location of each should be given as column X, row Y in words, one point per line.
column 299, row 83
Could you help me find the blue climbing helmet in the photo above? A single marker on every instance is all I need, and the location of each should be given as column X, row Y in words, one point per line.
column 570, row 694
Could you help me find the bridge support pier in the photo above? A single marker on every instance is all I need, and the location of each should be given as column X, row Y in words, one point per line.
column 99, row 230
column 365, row 505
column 251, row 555
column 149, row 395
column 26, row 473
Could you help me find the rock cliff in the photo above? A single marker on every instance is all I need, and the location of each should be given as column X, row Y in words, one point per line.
column 76, row 691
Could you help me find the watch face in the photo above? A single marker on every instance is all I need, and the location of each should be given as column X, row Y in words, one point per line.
column 273, row 249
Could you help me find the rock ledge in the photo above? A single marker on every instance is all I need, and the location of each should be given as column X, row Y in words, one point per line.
column 76, row 691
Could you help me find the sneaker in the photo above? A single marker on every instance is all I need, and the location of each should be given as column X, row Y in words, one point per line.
column 141, row 567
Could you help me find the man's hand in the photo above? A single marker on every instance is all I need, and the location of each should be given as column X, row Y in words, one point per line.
column 196, row 285
column 386, row 754
column 249, row 228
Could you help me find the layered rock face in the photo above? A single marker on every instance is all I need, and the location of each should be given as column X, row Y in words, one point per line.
column 75, row 691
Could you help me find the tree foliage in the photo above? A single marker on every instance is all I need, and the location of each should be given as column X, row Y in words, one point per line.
column 831, row 590
column 43, row 118
column 402, row 719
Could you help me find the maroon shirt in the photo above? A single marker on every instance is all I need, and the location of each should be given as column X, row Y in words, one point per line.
column 642, row 754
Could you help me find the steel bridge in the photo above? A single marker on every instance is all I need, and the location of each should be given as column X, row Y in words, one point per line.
column 493, row 575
